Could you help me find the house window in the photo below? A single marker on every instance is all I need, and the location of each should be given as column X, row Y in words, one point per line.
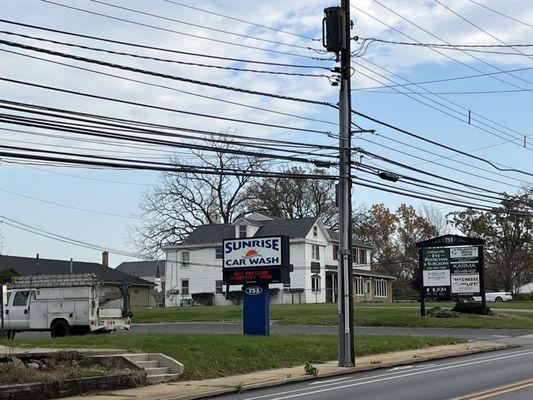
column 335, row 252
column 315, row 252
column 359, row 286
column 218, row 253
column 380, row 288
column 362, row 256
column 218, row 287
column 315, row 283
column 315, row 231
column 185, row 259
column 184, row 286
column 243, row 232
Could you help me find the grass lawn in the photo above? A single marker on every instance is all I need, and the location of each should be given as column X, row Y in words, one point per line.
column 525, row 305
column 326, row 314
column 208, row 356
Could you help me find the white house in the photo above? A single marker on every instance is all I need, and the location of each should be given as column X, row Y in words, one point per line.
column 195, row 266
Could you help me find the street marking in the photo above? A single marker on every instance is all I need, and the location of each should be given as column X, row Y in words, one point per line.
column 513, row 387
column 386, row 378
column 329, row 380
column 323, row 384
column 501, row 336
column 411, row 367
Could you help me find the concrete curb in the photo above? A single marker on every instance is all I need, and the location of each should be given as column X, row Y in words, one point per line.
column 189, row 390
column 483, row 348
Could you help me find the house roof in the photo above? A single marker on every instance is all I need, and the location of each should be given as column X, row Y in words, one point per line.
column 26, row 266
column 215, row 233
column 356, row 242
column 364, row 272
column 373, row 274
column 142, row 268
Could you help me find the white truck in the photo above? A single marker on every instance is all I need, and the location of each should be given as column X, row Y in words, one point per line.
column 65, row 305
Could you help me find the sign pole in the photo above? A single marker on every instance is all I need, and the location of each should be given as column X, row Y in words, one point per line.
column 2, row 307
column 422, row 288
column 482, row 280
column 256, row 309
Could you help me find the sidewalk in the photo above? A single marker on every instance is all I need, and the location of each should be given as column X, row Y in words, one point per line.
column 8, row 351
column 210, row 387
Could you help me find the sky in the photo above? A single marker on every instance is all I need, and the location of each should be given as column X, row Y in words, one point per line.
column 101, row 207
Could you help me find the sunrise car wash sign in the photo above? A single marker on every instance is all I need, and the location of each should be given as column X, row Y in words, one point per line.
column 254, row 263
column 256, row 260
column 451, row 267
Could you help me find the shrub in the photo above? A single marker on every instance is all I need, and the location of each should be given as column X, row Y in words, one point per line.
column 235, row 297
column 205, row 299
column 469, row 308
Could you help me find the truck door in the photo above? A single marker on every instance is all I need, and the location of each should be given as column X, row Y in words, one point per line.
column 18, row 313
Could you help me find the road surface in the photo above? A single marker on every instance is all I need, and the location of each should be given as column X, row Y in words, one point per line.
column 502, row 375
column 236, row 327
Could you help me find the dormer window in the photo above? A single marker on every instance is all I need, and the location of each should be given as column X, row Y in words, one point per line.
column 243, row 232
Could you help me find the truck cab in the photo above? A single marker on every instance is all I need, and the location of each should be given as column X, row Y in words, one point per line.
column 17, row 310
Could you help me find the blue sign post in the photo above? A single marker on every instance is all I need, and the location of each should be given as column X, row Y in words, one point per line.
column 255, row 263
column 256, row 310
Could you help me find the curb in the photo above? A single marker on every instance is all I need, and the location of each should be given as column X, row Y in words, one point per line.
column 369, row 367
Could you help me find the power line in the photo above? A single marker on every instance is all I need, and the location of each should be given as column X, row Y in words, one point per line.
column 41, row 232
column 241, row 20
column 390, row 161
column 442, row 46
column 163, row 75
column 457, row 78
column 174, row 110
column 163, row 49
column 492, row 164
column 440, row 52
column 171, row 88
column 131, row 125
column 448, row 202
column 472, row 92
column 25, row 196
column 189, row 23
column 437, row 163
column 25, row 121
column 451, row 159
column 376, row 169
column 167, row 60
column 461, row 118
column 502, row 14
column 185, row 33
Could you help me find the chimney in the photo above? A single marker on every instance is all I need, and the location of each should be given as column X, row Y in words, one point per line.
column 105, row 259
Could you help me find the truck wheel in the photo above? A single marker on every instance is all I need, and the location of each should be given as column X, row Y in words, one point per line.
column 59, row 329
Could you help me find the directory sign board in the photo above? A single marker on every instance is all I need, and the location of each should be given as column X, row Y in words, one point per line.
column 451, row 266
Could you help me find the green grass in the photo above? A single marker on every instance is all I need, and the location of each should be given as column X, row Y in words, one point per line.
column 515, row 305
column 326, row 314
column 208, row 356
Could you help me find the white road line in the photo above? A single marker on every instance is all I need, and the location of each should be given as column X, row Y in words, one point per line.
column 399, row 376
column 329, row 381
column 394, row 374
column 501, row 336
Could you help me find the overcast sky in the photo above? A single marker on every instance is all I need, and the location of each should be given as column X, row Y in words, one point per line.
column 37, row 195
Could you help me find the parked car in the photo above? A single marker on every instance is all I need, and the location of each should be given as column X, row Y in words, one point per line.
column 496, row 296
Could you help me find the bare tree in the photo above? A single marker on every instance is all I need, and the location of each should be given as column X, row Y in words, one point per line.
column 183, row 200
column 295, row 197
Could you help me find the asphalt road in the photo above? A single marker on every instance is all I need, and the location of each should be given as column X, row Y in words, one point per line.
column 487, row 376
column 236, row 327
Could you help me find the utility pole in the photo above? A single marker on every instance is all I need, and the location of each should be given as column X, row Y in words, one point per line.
column 346, row 354
column 337, row 29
